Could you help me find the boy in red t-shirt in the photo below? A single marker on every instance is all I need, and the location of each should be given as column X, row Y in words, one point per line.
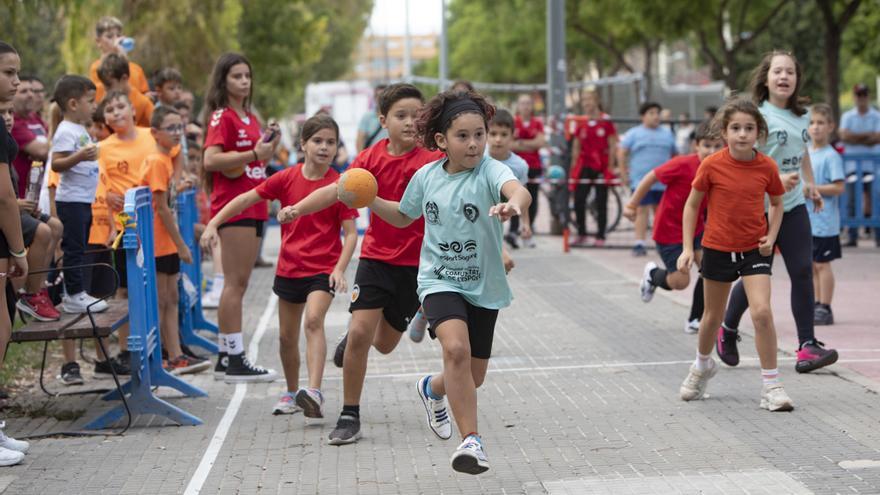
column 384, row 296
column 677, row 174
column 529, row 139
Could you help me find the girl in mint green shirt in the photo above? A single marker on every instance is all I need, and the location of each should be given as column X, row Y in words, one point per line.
column 775, row 86
column 462, row 282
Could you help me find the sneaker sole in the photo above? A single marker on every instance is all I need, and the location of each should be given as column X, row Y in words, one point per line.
column 12, row 462
column 219, row 375
column 72, row 382
column 343, row 441
column 428, row 412
column 310, row 408
column 264, row 378
column 77, row 311
column 466, row 463
column 279, row 412
column 809, row 366
column 195, row 368
column 783, row 408
column 33, row 314
column 644, row 288
column 339, row 355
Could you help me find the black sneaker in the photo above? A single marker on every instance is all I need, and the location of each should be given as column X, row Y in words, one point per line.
column 124, row 359
column 339, row 354
column 725, row 346
column 189, row 353
column 240, row 370
column 823, row 316
column 813, row 355
column 512, row 240
column 70, row 374
column 103, row 368
column 220, row 368
column 348, row 430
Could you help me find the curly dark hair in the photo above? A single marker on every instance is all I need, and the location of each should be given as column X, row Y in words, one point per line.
column 739, row 104
column 430, row 119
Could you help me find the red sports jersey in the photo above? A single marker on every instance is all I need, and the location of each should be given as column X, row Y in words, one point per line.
column 310, row 244
column 232, row 133
column 529, row 131
column 383, row 241
column 677, row 174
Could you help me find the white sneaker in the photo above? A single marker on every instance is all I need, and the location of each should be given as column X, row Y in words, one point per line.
column 469, row 457
column 81, row 303
column 10, row 457
column 285, row 405
column 310, row 400
column 774, row 398
column 211, row 300
column 438, row 417
column 694, row 386
column 10, row 443
column 692, row 326
column 417, row 326
column 646, row 287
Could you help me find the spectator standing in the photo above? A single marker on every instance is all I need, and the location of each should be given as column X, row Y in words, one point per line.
column 860, row 132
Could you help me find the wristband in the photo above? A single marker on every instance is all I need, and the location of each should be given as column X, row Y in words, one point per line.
column 22, row 254
column 254, row 151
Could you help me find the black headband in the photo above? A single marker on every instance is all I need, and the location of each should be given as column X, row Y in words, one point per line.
column 457, row 107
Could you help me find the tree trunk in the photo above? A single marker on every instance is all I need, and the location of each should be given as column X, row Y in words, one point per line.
column 649, row 76
column 832, row 70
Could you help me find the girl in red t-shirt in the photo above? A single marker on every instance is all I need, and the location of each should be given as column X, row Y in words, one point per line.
column 737, row 242
column 235, row 152
column 312, row 261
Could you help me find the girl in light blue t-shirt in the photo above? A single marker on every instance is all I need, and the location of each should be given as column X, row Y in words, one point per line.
column 775, row 86
column 462, row 282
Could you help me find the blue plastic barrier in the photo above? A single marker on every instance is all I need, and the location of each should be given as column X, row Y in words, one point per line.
column 866, row 168
column 192, row 317
column 144, row 342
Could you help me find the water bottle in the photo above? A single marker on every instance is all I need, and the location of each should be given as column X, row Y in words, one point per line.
column 35, row 181
column 127, row 44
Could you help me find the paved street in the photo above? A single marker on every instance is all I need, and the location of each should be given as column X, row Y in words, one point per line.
column 582, row 397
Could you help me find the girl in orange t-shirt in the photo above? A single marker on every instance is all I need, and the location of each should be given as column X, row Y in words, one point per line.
column 738, row 242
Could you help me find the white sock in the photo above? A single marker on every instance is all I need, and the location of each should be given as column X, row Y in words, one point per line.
column 221, row 342
column 234, row 343
column 640, row 242
column 702, row 363
column 770, row 377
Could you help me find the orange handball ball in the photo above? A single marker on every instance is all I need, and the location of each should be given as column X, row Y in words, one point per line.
column 357, row 188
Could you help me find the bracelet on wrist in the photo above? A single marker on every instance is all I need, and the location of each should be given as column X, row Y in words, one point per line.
column 21, row 254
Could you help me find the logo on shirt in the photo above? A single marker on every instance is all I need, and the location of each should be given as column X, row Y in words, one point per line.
column 242, row 134
column 432, row 213
column 355, row 292
column 471, row 212
column 782, row 137
column 805, row 136
column 258, row 173
column 215, row 118
column 456, row 246
column 600, row 132
column 123, row 167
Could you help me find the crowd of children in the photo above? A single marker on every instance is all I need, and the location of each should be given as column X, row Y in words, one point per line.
column 449, row 171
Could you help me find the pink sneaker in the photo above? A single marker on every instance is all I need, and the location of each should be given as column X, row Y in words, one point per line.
column 599, row 243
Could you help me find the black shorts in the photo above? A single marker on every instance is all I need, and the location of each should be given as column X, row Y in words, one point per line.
column 390, row 287
column 246, row 222
column 121, row 267
column 669, row 253
column 4, row 247
column 826, row 249
column 297, row 290
column 722, row 266
column 29, row 226
column 168, row 264
column 444, row 306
